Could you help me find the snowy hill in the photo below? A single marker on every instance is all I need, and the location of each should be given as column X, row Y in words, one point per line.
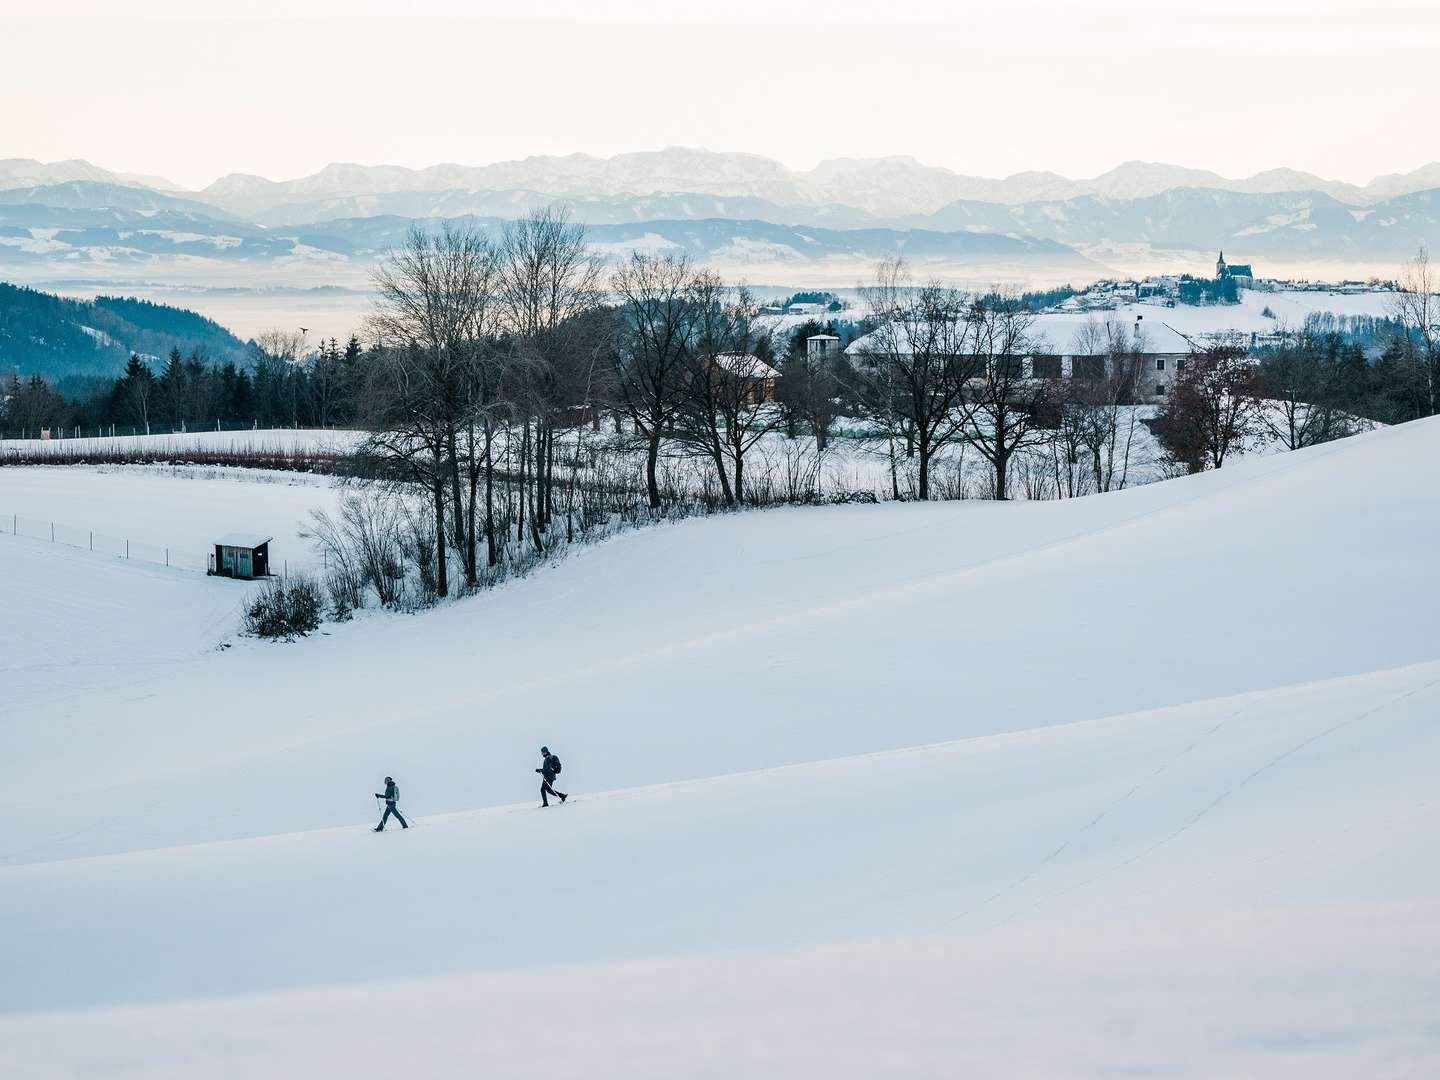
column 27, row 172
column 1138, row 782
column 58, row 336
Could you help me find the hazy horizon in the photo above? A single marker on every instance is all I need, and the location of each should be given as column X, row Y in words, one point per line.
column 287, row 88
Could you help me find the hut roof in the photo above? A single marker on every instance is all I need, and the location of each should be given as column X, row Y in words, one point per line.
column 243, row 540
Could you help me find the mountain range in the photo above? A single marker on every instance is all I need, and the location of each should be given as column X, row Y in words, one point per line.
column 884, row 187
column 747, row 215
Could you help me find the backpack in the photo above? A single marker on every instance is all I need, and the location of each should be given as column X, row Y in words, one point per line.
column 555, row 764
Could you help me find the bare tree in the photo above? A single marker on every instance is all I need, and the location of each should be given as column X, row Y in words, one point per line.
column 1417, row 308
column 1102, row 400
column 1006, row 403
column 727, row 407
column 433, row 293
column 548, row 282
column 656, row 336
column 361, row 546
column 1303, row 390
column 1213, row 408
column 912, row 369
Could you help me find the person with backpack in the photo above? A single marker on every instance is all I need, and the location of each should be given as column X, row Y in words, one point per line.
column 391, row 797
column 549, row 770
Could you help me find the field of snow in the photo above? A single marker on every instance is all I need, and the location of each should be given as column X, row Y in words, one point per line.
column 1290, row 310
column 182, row 510
column 1134, row 784
column 851, row 464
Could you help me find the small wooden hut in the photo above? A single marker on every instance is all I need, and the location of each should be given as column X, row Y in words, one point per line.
column 241, row 555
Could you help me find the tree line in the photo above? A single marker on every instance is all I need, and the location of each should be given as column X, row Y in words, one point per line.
column 282, row 386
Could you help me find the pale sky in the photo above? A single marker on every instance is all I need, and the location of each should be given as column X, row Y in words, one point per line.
column 192, row 89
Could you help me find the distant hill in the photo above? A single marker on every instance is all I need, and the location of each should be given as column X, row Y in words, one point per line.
column 59, row 337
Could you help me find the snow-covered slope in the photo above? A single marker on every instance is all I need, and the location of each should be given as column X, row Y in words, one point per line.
column 1141, row 782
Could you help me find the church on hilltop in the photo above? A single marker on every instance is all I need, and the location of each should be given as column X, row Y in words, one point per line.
column 1240, row 273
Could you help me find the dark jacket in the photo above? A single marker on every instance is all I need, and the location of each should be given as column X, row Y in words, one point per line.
column 392, row 792
column 547, row 769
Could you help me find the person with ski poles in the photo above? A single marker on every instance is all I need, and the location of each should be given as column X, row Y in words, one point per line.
column 391, row 797
column 549, row 770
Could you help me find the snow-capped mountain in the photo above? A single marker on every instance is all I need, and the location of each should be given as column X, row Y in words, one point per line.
column 882, row 187
column 27, row 172
column 1284, row 224
column 745, row 215
column 849, row 190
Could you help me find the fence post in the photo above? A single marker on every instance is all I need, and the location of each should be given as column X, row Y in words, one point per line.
column 52, row 532
column 92, row 539
column 127, row 547
column 167, row 556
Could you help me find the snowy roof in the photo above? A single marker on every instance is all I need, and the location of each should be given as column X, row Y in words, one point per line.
column 822, row 337
column 745, row 364
column 1062, row 333
column 243, row 540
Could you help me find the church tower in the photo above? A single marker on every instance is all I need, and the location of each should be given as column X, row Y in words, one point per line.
column 1220, row 266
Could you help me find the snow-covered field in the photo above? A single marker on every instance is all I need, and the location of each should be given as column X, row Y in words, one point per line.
column 1289, row 310
column 181, row 509
column 1126, row 785
column 850, row 464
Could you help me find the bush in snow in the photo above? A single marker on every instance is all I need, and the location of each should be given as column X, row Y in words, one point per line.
column 364, row 548
column 346, row 590
column 284, row 608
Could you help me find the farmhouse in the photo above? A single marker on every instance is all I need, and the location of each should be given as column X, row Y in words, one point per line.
column 1075, row 351
column 750, row 369
column 1071, row 345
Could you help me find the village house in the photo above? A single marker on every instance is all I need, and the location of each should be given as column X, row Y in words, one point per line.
column 759, row 376
column 1070, row 345
column 1160, row 349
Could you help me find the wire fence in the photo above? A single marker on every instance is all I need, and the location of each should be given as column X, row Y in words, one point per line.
column 121, row 547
